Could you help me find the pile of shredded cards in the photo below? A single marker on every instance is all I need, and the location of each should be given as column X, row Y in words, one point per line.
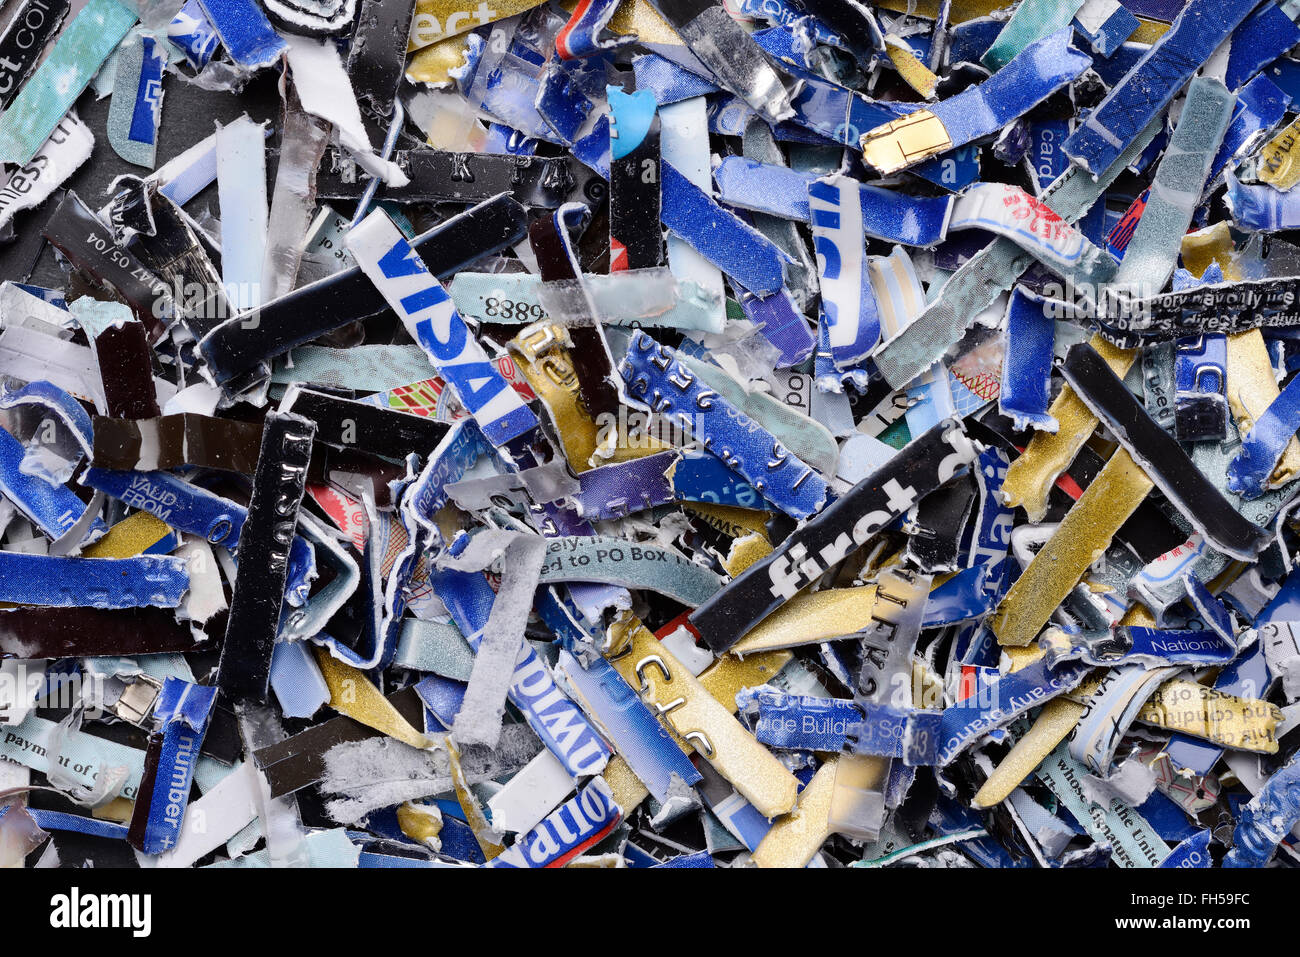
column 649, row 433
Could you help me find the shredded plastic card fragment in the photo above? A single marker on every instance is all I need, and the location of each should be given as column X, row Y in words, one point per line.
column 641, row 433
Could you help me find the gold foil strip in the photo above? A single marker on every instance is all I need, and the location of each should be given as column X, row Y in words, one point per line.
column 119, row 809
column 914, row 73
column 129, row 537
column 420, row 822
column 1279, row 165
column 686, row 706
column 439, row 19
column 1209, row 245
column 477, row 820
column 898, row 144
column 1148, row 31
column 1030, row 477
column 745, row 551
column 541, row 351
column 637, row 16
column 1053, row 724
column 1247, row 724
column 795, row 838
column 1081, row 539
column 1022, row 657
column 730, row 519
column 1252, row 388
column 726, row 677
column 623, row 783
column 352, row 694
column 809, row 618
column 434, row 63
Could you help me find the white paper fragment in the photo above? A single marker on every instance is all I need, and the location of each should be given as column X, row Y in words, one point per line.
column 542, row 786
column 684, row 144
column 479, row 718
column 241, row 190
column 380, row 772
column 326, row 91
column 1130, row 783
column 67, row 148
column 213, row 819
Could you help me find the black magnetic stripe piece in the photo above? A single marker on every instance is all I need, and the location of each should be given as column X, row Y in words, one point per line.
column 1222, row 307
column 89, row 245
column 299, row 760
column 40, row 632
column 441, row 176
column 244, row 343
column 1160, row 456
column 126, row 370
column 245, row 668
column 348, row 424
column 827, row 539
column 945, row 514
column 634, row 203
column 173, row 441
column 377, row 56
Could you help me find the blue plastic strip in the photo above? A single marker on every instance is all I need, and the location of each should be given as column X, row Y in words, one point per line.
column 561, row 725
column 735, row 247
column 638, row 735
column 1027, row 363
column 561, row 103
column 656, row 377
column 701, row 477
column 1046, row 156
column 585, row 34
column 78, row 823
column 1262, row 208
column 70, row 413
column 1038, row 71
column 1107, row 36
column 143, row 580
column 181, row 719
column 1261, row 105
column 188, row 508
column 1263, row 445
column 667, row 81
column 426, row 311
column 804, row 723
column 144, row 116
column 849, row 312
column 297, row 681
column 1193, row 852
column 247, row 34
column 52, row 508
column 574, row 826
column 698, row 859
column 1003, row 699
column 1267, row 818
column 961, row 598
column 1262, row 37
column 1201, row 388
column 781, row 324
column 1150, row 85
column 193, row 34
column 781, row 191
column 1174, row 646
